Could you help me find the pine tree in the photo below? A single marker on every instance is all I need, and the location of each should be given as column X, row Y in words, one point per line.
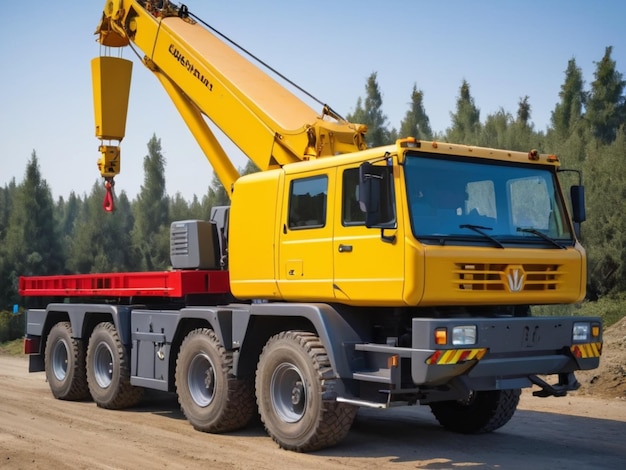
column 100, row 241
column 605, row 106
column 496, row 131
column 604, row 232
column 466, row 120
column 568, row 112
column 416, row 123
column 151, row 210
column 369, row 112
column 31, row 245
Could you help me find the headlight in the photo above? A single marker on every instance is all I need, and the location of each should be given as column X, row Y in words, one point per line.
column 464, row 335
column 581, row 331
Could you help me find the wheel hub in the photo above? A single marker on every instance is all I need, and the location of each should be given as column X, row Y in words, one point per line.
column 201, row 380
column 288, row 393
column 297, row 394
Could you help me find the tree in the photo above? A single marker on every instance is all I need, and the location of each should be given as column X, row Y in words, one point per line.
column 605, row 105
column 416, row 123
column 101, row 241
column 150, row 233
column 568, row 112
column 369, row 112
column 496, row 131
column 31, row 245
column 466, row 120
column 179, row 208
column 604, row 232
column 523, row 112
column 217, row 195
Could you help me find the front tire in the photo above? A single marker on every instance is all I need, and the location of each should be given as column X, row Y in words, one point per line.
column 293, row 375
column 65, row 364
column 108, row 370
column 211, row 399
column 483, row 412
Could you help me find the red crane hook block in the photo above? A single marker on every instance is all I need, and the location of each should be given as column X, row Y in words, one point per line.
column 108, row 204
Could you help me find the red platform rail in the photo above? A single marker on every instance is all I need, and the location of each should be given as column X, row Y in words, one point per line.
column 149, row 284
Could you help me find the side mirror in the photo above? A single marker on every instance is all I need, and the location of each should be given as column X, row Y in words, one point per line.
column 376, row 195
column 577, row 195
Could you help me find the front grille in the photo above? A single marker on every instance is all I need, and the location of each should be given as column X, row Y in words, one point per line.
column 506, row 277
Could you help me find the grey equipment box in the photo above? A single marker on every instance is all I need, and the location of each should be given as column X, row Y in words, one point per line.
column 194, row 245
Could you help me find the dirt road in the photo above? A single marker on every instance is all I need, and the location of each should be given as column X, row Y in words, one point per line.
column 39, row 432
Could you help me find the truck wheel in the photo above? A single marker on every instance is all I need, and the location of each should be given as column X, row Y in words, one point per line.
column 108, row 370
column 483, row 412
column 211, row 399
column 65, row 364
column 292, row 377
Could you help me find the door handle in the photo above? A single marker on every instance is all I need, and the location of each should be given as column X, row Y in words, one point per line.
column 345, row 248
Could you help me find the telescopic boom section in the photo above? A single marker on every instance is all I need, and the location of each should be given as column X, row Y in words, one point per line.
column 206, row 77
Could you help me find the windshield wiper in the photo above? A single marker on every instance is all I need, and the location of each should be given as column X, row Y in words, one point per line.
column 481, row 230
column 534, row 231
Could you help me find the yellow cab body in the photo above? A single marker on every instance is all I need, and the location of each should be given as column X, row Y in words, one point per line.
column 299, row 233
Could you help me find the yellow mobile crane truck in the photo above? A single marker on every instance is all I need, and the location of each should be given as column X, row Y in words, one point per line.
column 340, row 276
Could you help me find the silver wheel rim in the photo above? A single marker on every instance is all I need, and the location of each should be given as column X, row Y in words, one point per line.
column 103, row 365
column 288, row 393
column 59, row 359
column 201, row 380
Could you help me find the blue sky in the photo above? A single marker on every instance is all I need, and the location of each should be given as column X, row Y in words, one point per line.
column 504, row 49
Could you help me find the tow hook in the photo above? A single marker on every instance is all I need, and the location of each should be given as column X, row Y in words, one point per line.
column 567, row 383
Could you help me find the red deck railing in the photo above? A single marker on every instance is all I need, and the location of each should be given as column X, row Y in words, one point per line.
column 152, row 284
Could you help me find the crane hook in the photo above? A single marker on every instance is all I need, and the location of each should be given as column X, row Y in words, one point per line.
column 108, row 204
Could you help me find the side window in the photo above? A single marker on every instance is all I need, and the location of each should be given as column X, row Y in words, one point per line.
column 351, row 212
column 307, row 202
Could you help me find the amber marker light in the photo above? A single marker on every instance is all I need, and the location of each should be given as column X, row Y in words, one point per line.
column 553, row 158
column 533, row 155
column 441, row 336
column 595, row 330
column 393, row 361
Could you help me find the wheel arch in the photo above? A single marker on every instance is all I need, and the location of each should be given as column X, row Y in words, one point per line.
column 337, row 331
column 215, row 318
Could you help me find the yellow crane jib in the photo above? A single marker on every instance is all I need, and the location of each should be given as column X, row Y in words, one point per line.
column 205, row 77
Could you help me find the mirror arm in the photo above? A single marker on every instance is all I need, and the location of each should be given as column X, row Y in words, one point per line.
column 387, row 239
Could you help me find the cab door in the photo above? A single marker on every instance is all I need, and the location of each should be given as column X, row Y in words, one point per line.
column 305, row 242
column 368, row 263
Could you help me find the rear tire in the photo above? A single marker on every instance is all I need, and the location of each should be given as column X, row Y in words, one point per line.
column 211, row 399
column 483, row 412
column 65, row 364
column 293, row 375
column 108, row 370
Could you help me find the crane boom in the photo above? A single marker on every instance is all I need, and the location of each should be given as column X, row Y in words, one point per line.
column 206, row 77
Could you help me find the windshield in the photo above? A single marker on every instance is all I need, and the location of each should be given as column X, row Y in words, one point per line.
column 452, row 199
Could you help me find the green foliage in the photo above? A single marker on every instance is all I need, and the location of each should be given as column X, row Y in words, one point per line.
column 11, row 326
column 610, row 308
column 370, row 113
column 568, row 112
column 30, row 244
column 466, row 120
column 605, row 229
column 605, row 105
column 150, row 233
column 416, row 122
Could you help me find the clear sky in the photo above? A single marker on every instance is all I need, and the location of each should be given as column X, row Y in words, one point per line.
column 504, row 49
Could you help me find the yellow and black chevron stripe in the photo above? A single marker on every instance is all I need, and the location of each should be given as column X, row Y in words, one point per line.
column 587, row 350
column 455, row 356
